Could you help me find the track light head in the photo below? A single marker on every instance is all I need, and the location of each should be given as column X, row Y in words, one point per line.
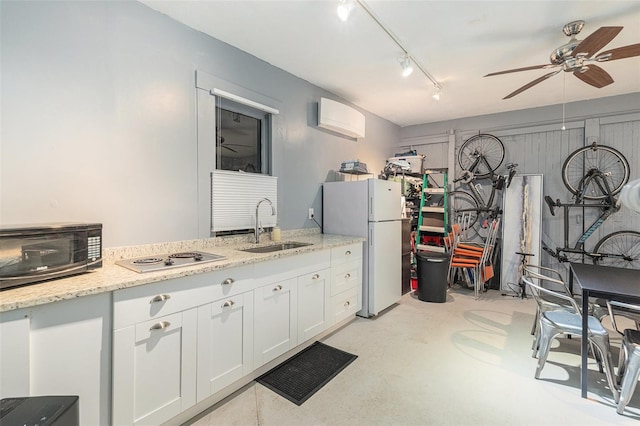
column 407, row 68
column 344, row 9
column 437, row 93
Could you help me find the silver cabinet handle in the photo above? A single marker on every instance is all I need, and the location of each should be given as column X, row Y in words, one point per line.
column 160, row 298
column 315, row 277
column 347, row 303
column 347, row 253
column 160, row 325
column 228, row 281
column 347, row 275
column 228, row 303
column 277, row 288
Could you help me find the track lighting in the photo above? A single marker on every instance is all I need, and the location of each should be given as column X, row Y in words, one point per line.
column 405, row 63
column 344, row 9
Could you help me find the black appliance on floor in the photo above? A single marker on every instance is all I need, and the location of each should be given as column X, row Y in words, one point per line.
column 40, row 410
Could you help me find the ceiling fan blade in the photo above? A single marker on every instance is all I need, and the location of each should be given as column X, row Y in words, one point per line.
column 238, row 144
column 534, row 67
column 619, row 53
column 532, row 83
column 594, row 75
column 596, row 41
column 230, row 149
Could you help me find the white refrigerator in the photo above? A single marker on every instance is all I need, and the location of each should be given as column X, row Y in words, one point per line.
column 371, row 209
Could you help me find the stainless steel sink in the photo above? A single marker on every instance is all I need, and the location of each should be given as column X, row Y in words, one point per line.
column 276, row 247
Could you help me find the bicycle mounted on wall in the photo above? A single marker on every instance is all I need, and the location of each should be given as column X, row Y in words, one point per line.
column 479, row 157
column 594, row 175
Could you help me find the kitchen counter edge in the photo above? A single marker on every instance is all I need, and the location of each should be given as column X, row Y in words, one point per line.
column 113, row 277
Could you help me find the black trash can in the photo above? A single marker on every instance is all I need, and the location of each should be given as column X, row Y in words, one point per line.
column 432, row 276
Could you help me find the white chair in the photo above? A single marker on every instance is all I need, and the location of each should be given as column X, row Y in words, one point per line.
column 557, row 322
column 629, row 360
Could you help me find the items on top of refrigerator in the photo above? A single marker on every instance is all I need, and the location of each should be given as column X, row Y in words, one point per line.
column 408, row 163
column 353, row 166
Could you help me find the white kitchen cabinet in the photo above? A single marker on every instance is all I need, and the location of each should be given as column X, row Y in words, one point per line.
column 314, row 313
column 14, row 353
column 275, row 320
column 154, row 369
column 345, row 305
column 346, row 282
column 154, row 349
column 70, row 353
column 225, row 343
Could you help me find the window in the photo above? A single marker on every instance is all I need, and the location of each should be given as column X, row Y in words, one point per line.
column 242, row 137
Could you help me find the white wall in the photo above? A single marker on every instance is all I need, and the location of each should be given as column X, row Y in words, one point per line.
column 98, row 112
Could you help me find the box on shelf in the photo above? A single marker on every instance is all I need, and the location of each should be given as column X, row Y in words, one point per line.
column 353, row 166
column 415, row 162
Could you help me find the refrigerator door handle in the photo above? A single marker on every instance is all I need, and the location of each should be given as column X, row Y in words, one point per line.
column 370, row 237
column 370, row 206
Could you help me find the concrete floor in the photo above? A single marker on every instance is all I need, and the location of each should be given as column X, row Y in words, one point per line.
column 464, row 362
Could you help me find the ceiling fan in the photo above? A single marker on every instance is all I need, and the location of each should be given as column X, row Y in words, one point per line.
column 221, row 140
column 221, row 144
column 575, row 56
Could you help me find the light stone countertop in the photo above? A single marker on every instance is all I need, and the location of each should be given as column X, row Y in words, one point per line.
column 114, row 277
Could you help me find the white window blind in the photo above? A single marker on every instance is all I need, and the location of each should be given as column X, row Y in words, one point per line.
column 234, row 196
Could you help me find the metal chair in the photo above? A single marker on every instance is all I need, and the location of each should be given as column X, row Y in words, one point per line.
column 629, row 360
column 475, row 260
column 557, row 322
column 540, row 274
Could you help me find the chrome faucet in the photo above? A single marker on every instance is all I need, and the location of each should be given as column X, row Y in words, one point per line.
column 273, row 213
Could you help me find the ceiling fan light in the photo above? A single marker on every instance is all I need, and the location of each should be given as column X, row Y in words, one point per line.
column 407, row 68
column 344, row 9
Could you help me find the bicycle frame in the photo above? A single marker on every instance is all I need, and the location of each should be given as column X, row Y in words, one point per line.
column 497, row 184
column 607, row 210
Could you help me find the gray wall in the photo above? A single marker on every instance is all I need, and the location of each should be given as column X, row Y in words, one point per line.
column 534, row 140
column 99, row 121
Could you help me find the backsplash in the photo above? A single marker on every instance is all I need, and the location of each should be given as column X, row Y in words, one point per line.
column 111, row 255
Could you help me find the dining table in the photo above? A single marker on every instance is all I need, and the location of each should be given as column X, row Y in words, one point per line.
column 607, row 282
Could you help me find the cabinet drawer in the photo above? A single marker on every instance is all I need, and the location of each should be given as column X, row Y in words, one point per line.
column 270, row 290
column 230, row 282
column 158, row 327
column 345, row 305
column 345, row 254
column 147, row 302
column 346, row 276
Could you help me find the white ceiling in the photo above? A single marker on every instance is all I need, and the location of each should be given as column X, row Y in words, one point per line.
column 457, row 42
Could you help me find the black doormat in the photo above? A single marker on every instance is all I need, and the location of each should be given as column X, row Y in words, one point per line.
column 302, row 375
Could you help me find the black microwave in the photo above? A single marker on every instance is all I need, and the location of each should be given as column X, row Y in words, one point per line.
column 34, row 253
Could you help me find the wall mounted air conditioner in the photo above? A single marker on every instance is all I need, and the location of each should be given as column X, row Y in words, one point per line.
column 340, row 118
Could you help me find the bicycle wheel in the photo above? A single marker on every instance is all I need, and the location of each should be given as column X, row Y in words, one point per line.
column 462, row 202
column 621, row 249
column 585, row 161
column 481, row 154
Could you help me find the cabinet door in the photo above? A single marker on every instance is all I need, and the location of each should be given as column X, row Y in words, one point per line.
column 313, row 304
column 14, row 353
column 275, row 320
column 225, row 343
column 154, row 369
